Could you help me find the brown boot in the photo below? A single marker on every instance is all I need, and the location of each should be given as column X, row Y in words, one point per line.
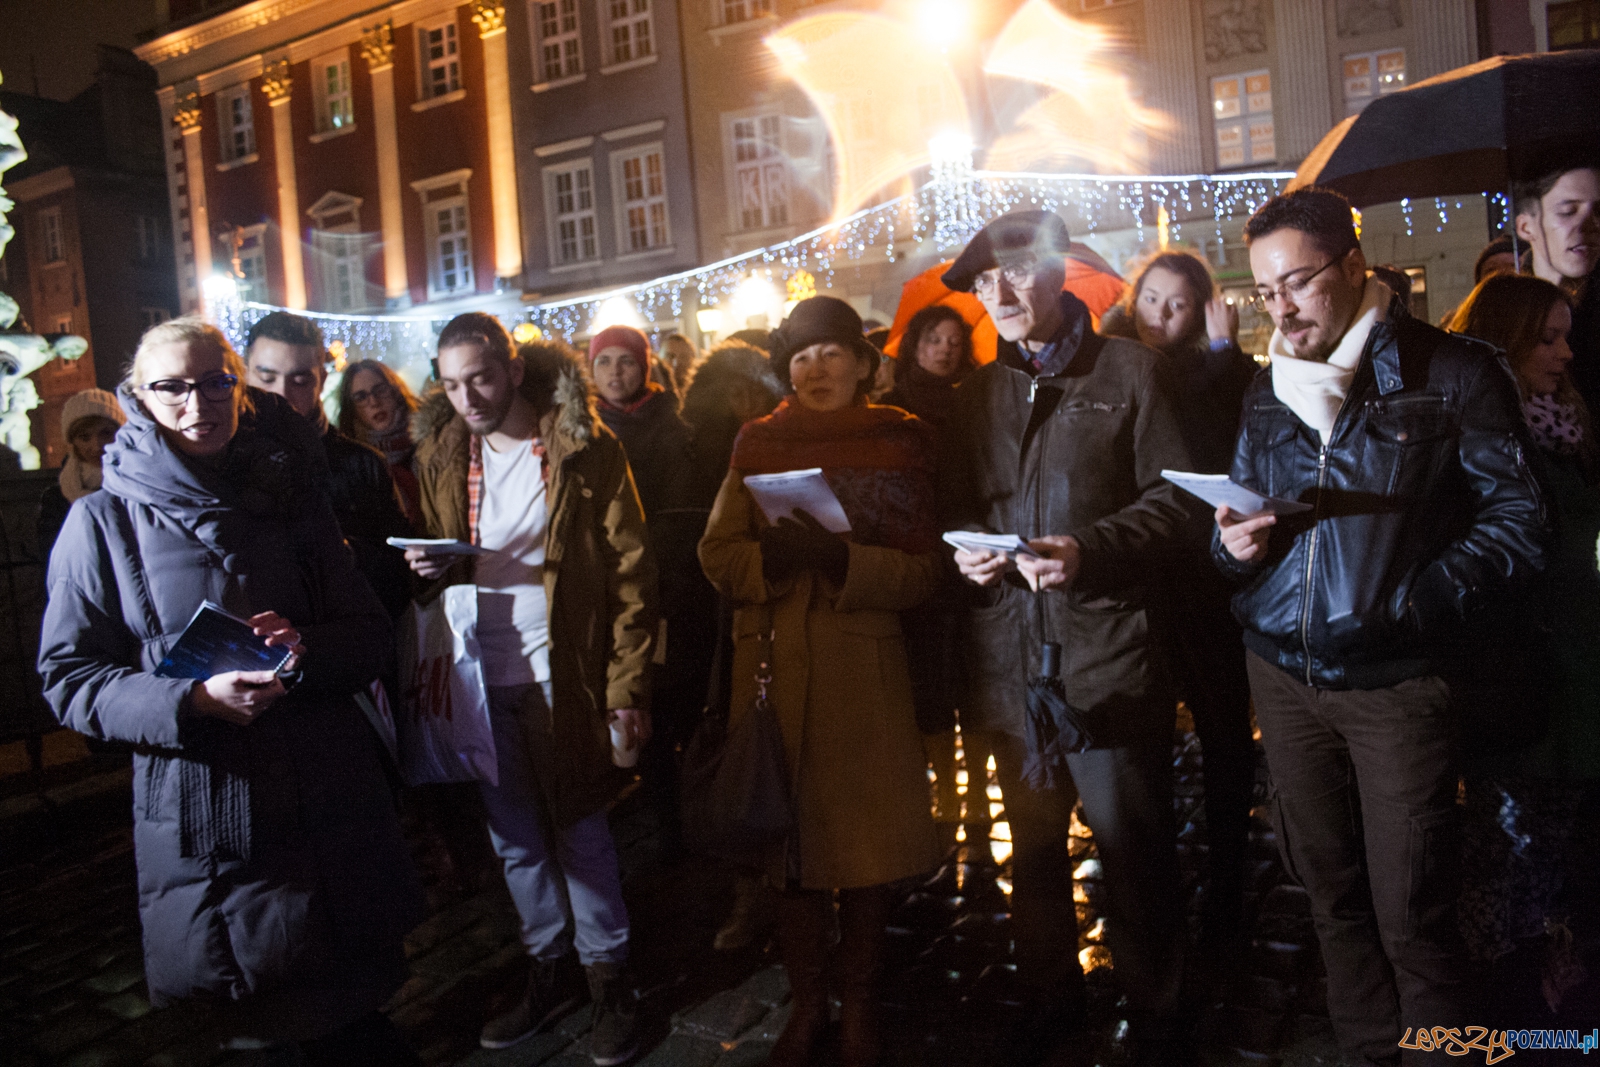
column 858, row 966
column 750, row 918
column 805, row 921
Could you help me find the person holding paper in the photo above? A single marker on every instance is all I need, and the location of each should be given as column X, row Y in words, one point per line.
column 1062, row 441
column 841, row 686
column 273, row 878
column 1410, row 445
column 512, row 457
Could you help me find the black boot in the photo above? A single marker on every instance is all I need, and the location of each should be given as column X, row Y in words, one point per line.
column 857, row 968
column 805, row 925
column 614, row 1035
column 552, row 992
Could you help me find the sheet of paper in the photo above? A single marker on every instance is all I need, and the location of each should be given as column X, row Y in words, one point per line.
column 781, row 495
column 1218, row 489
column 437, row 546
column 968, row 541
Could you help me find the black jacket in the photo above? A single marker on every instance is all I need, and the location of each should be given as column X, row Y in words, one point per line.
column 367, row 505
column 1424, row 510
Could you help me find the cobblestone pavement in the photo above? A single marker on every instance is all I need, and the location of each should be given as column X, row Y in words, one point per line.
column 72, row 988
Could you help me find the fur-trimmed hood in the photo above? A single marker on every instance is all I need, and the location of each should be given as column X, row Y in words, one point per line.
column 556, row 382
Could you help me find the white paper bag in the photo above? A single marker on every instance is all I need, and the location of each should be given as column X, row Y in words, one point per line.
column 443, row 731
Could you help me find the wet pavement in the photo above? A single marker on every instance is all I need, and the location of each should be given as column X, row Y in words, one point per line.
column 72, row 988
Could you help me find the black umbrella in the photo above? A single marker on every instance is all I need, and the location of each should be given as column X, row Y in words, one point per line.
column 1469, row 130
column 1054, row 727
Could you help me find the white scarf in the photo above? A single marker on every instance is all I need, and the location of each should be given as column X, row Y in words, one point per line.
column 77, row 478
column 1314, row 390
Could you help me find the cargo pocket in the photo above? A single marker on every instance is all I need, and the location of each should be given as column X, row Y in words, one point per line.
column 1433, row 853
column 1280, row 827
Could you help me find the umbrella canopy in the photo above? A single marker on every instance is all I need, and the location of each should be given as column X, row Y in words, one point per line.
column 1089, row 278
column 1055, row 729
column 1469, row 130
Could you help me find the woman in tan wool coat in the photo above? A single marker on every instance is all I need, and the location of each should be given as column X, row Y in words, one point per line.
column 841, row 687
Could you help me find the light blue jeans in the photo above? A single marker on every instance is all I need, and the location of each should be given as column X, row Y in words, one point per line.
column 565, row 882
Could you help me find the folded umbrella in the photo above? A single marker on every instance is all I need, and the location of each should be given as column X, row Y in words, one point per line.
column 1054, row 727
column 1469, row 130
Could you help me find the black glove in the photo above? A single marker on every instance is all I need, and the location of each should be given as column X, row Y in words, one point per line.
column 792, row 546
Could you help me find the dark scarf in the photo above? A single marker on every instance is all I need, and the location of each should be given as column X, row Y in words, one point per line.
column 651, row 390
column 927, row 396
column 878, row 461
column 396, row 444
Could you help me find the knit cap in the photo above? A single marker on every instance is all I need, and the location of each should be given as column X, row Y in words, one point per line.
column 637, row 344
column 95, row 403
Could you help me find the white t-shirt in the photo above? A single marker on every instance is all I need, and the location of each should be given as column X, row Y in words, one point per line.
column 513, row 618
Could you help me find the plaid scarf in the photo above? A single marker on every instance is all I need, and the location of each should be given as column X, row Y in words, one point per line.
column 475, row 479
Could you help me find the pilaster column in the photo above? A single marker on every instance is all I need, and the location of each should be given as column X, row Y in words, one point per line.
column 377, row 48
column 490, row 15
column 1171, row 77
column 276, row 84
column 186, row 115
column 1445, row 37
column 1302, row 102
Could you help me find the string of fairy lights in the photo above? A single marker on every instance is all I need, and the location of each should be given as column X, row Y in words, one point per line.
column 941, row 215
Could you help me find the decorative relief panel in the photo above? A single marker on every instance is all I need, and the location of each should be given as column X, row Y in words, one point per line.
column 1357, row 17
column 1234, row 28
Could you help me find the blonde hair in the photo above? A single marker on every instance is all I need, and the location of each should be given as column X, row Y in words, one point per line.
column 196, row 332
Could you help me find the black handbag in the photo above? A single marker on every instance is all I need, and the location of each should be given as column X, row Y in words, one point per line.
column 735, row 780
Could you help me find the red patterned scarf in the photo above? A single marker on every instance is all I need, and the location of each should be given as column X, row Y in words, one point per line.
column 878, row 461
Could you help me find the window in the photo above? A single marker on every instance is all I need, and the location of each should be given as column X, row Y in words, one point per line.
column 54, row 247
column 251, row 270
column 147, row 236
column 440, row 63
column 236, row 123
column 641, row 187
column 1242, row 110
column 557, row 50
column 761, row 172
column 1573, row 24
column 331, row 87
column 153, row 316
column 744, row 10
column 63, row 324
column 452, row 248
column 1369, row 75
column 630, row 30
column 341, row 260
column 569, row 190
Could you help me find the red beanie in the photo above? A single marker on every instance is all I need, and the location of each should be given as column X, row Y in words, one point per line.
column 622, row 337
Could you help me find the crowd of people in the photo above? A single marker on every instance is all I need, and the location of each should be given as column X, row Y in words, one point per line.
column 1413, row 627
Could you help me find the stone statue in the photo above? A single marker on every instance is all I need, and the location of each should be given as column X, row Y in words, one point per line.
column 21, row 350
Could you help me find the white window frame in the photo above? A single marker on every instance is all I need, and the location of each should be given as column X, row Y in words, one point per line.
column 766, row 165
column 621, row 40
column 1362, row 89
column 737, row 12
column 1249, row 125
column 147, row 230
column 448, row 193
column 252, row 279
column 236, row 123
column 657, row 215
column 567, row 41
column 449, row 62
column 52, row 238
column 335, row 104
column 342, row 248
column 574, row 212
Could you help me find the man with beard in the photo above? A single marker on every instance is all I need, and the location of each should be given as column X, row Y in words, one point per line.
column 512, row 458
column 1062, row 441
column 1408, row 444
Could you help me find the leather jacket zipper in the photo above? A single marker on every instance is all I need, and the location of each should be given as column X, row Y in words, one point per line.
column 1311, row 556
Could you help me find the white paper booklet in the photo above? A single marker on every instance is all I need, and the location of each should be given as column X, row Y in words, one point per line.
column 1009, row 544
column 780, row 495
column 1218, row 490
column 437, row 546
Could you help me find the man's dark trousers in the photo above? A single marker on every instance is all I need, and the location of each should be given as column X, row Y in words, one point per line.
column 1364, row 797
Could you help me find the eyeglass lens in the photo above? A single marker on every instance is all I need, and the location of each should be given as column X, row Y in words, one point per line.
column 175, row 391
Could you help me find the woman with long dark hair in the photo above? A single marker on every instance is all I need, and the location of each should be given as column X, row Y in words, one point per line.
column 375, row 408
column 935, row 355
column 840, row 686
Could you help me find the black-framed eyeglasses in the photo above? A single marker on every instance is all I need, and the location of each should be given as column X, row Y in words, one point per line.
column 174, row 392
column 381, row 391
column 1018, row 274
column 1263, row 299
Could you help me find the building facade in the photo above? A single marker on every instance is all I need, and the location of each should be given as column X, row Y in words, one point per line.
column 92, row 255
column 341, row 156
column 602, row 138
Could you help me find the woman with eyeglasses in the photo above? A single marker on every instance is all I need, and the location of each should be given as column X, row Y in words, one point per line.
column 273, row 879
column 375, row 407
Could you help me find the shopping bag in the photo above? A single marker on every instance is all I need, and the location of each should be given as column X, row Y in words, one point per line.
column 374, row 704
column 443, row 727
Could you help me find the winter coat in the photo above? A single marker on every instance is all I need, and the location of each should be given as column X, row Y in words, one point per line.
column 841, row 688
column 368, row 507
column 1585, row 341
column 1425, row 511
column 1081, row 453
column 599, row 573
column 270, row 862
column 929, row 398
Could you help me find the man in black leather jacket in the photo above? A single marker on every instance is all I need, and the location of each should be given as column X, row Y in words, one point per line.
column 1409, row 446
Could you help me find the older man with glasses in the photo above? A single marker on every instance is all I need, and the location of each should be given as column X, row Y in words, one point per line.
column 1062, row 441
column 1362, row 614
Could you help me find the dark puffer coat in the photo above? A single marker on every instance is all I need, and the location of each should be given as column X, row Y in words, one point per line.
column 271, row 867
column 368, row 508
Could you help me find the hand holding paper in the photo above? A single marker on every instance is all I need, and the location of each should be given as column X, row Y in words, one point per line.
column 1219, row 491
column 781, row 495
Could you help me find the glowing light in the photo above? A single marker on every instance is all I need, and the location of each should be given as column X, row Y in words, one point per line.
column 221, row 288
column 1355, row 217
column 1163, row 227
column 336, row 354
column 757, row 303
column 616, row 311
column 524, row 333
column 961, row 832
column 879, row 115
column 802, row 285
column 709, row 320
column 1000, row 831
column 1001, row 851
column 942, row 23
